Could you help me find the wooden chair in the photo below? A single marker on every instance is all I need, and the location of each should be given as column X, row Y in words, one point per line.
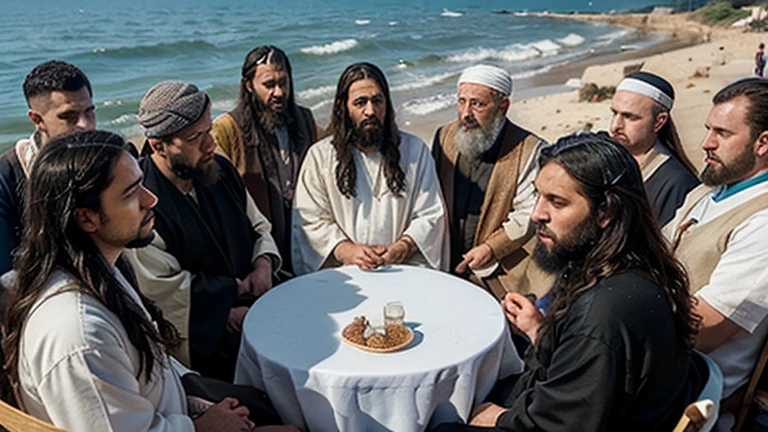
column 745, row 406
column 14, row 420
column 695, row 416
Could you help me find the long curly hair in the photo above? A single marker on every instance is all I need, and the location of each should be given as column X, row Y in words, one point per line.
column 70, row 173
column 248, row 110
column 342, row 128
column 611, row 181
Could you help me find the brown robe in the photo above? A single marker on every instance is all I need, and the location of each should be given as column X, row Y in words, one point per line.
column 512, row 254
column 246, row 158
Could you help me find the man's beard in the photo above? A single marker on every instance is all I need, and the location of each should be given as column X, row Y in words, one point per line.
column 138, row 241
column 571, row 249
column 367, row 139
column 476, row 141
column 268, row 118
column 206, row 172
column 726, row 174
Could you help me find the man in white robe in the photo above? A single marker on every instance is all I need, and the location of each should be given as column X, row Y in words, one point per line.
column 368, row 195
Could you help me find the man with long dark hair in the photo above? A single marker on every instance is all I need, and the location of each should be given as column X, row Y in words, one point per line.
column 86, row 350
column 367, row 195
column 614, row 350
column 266, row 137
column 59, row 97
column 642, row 123
column 719, row 235
column 213, row 255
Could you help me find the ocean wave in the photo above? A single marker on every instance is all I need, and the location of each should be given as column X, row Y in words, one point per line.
column 362, row 22
column 223, row 105
column 572, row 39
column 618, row 34
column 450, row 13
column 427, row 105
column 331, row 48
column 393, row 23
column 322, row 104
column 196, row 47
column 107, row 103
column 546, row 47
column 123, row 119
column 316, row 92
column 424, row 81
column 511, row 54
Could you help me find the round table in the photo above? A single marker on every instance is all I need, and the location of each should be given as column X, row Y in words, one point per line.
column 292, row 349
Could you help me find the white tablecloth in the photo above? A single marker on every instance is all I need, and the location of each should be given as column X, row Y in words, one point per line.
column 292, row 349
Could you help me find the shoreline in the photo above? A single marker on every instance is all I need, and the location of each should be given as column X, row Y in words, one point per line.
column 678, row 35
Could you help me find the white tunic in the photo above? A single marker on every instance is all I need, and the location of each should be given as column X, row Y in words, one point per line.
column 323, row 217
column 79, row 371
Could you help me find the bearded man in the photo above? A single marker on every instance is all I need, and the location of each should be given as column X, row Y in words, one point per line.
column 486, row 165
column 266, row 137
column 213, row 254
column 614, row 349
column 368, row 195
column 719, row 233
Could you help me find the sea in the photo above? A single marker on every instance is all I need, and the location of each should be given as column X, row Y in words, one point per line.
column 126, row 46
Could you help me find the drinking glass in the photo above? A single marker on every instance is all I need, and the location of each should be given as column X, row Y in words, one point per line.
column 394, row 313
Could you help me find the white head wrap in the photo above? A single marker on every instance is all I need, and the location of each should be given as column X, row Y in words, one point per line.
column 648, row 84
column 489, row 76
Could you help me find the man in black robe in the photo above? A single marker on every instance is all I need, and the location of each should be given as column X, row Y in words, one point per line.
column 643, row 125
column 213, row 253
column 613, row 351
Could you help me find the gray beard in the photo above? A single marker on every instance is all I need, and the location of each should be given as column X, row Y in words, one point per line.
column 474, row 142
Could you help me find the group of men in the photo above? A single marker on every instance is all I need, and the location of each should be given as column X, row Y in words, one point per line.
column 263, row 193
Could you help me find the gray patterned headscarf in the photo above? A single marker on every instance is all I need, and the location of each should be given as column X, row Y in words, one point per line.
column 169, row 107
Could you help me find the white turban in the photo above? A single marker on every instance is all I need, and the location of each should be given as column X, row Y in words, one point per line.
column 651, row 85
column 489, row 76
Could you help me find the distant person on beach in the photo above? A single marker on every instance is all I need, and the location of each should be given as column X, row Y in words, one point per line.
column 486, row 165
column 368, row 195
column 213, row 253
column 59, row 97
column 719, row 236
column 642, row 123
column 266, row 137
column 614, row 350
column 760, row 60
column 86, row 349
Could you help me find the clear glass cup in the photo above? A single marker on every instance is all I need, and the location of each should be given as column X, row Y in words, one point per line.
column 394, row 313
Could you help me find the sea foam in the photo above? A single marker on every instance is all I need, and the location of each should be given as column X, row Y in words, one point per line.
column 450, row 13
column 316, row 92
column 331, row 48
column 424, row 81
column 513, row 53
column 427, row 105
column 572, row 39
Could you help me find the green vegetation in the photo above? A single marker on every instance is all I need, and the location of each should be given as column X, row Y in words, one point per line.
column 719, row 13
column 589, row 92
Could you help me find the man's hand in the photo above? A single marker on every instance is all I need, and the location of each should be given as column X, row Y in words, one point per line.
column 258, row 281
column 478, row 257
column 364, row 256
column 235, row 320
column 225, row 416
column 523, row 314
column 485, row 415
column 399, row 251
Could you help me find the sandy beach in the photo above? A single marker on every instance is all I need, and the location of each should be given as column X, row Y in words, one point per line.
column 722, row 55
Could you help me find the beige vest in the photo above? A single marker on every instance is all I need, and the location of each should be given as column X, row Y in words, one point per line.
column 699, row 248
column 513, row 255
